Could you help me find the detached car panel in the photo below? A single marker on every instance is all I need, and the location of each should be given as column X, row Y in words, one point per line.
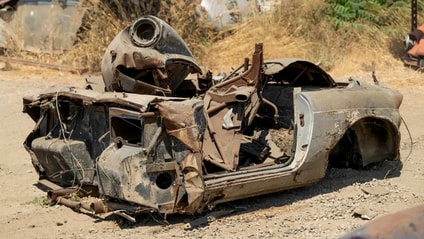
column 174, row 143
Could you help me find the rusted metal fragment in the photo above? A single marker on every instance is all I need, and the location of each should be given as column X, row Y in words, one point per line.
column 76, row 199
column 135, row 185
column 64, row 162
column 224, row 141
column 232, row 100
column 141, row 57
column 193, row 181
column 124, row 215
column 160, row 167
column 129, row 84
column 54, row 194
column 185, row 121
column 80, row 197
column 74, row 205
column 408, row 223
column 94, row 205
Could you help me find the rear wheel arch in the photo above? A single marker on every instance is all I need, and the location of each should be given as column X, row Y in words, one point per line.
column 368, row 140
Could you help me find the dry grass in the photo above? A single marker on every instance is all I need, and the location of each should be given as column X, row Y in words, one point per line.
column 231, row 50
column 104, row 21
column 300, row 29
column 296, row 28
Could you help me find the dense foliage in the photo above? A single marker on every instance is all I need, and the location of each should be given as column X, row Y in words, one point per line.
column 354, row 13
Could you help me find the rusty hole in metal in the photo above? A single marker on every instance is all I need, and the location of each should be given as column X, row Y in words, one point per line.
column 144, row 32
column 127, row 130
column 241, row 97
column 164, row 180
column 302, row 119
column 119, row 142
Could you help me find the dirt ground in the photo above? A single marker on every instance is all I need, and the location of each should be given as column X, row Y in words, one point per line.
column 324, row 210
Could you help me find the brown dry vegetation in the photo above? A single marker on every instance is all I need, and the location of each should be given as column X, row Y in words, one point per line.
column 296, row 28
column 300, row 29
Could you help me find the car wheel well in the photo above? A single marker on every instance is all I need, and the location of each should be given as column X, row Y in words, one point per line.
column 369, row 140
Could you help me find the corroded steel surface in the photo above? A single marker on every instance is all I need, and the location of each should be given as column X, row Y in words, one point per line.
column 150, row 136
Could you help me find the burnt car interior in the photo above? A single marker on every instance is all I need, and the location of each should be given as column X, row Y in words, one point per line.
column 269, row 138
column 266, row 140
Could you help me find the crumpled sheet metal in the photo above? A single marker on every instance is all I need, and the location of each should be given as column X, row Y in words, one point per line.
column 180, row 123
column 186, row 122
column 182, row 154
column 193, row 182
column 150, row 51
column 221, row 145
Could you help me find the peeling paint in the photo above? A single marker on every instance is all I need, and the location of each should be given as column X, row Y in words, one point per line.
column 152, row 138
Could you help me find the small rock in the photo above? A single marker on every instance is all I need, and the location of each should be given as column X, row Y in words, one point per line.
column 365, row 214
column 375, row 190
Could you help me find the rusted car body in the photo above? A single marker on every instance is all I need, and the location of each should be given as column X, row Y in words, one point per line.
column 156, row 133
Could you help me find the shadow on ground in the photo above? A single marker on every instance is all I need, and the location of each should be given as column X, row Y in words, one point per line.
column 336, row 179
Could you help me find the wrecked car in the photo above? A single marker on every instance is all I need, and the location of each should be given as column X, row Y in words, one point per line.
column 158, row 133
